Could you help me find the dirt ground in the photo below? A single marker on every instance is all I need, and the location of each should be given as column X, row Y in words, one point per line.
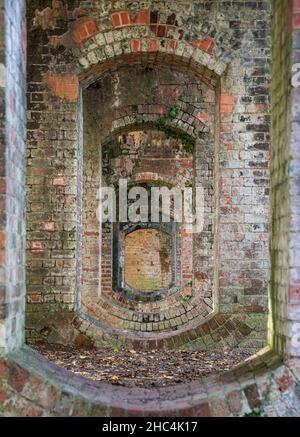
column 132, row 368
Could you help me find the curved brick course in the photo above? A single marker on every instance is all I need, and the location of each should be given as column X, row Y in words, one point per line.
column 237, row 393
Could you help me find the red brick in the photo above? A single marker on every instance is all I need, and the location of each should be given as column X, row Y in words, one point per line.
column 2, row 239
column 181, row 34
column 202, row 410
column 206, row 44
column 296, row 21
column 38, row 171
column 153, row 29
column 158, row 109
column 284, row 381
column 48, row 226
column 116, row 20
column 37, row 246
column 252, row 395
column 294, row 293
column 83, row 29
column 125, row 18
column 2, row 186
column 3, row 369
column 4, row 395
column 227, row 103
column 35, row 298
column 218, row 409
column 100, row 410
column 64, row 86
column 135, row 45
column 153, row 45
column 203, row 117
column 171, row 19
column 227, row 99
column 17, row 376
column 91, row 28
column 161, row 31
column 154, row 17
column 141, row 18
column 173, row 44
column 296, row 5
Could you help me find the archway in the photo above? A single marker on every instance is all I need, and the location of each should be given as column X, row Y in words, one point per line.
column 250, row 381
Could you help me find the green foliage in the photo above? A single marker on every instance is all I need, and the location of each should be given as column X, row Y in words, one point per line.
column 188, row 143
column 60, row 167
column 187, row 298
column 72, row 154
column 256, row 412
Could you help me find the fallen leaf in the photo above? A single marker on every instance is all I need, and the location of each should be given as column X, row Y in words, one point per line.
column 115, row 377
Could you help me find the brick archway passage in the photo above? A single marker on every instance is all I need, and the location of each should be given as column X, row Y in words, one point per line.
column 189, row 66
column 32, row 386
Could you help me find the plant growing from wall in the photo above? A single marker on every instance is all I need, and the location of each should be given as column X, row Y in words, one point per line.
column 188, row 143
column 259, row 409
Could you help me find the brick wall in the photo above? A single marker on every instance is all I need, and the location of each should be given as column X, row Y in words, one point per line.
column 154, row 158
column 285, row 182
column 12, row 226
column 293, row 342
column 75, row 47
column 148, row 260
column 31, row 386
column 43, row 389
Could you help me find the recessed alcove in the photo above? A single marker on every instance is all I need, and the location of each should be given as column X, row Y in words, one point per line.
column 148, row 260
column 158, row 144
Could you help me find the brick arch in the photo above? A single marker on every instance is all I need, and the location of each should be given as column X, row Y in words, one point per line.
column 148, row 177
column 94, row 62
column 144, row 28
column 196, row 127
column 241, row 391
column 91, row 61
column 135, row 43
column 113, row 306
column 185, row 59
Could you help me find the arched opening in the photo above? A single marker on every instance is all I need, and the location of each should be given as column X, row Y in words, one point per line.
column 181, row 99
column 152, row 138
column 52, row 235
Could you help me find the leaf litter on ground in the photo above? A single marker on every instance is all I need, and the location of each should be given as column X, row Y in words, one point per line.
column 133, row 368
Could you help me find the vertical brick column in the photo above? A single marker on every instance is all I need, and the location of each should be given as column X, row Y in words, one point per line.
column 294, row 173
column 285, row 243
column 12, row 140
